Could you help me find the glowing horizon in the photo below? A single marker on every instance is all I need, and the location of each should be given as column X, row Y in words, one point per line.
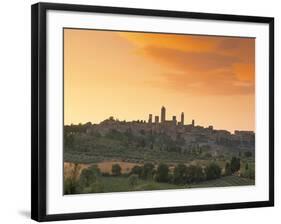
column 129, row 75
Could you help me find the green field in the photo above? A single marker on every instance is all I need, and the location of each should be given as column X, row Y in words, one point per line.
column 225, row 182
column 121, row 184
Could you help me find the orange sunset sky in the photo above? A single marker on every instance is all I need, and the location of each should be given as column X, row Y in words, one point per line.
column 129, row 75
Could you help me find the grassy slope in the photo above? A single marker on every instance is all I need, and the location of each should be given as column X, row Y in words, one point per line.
column 119, row 184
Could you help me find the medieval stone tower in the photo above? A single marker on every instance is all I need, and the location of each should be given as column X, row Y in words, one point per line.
column 182, row 118
column 163, row 114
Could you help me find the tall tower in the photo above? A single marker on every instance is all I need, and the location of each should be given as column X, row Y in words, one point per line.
column 150, row 119
column 163, row 114
column 193, row 123
column 182, row 118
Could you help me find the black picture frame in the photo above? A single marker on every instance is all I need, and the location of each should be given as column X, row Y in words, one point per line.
column 38, row 108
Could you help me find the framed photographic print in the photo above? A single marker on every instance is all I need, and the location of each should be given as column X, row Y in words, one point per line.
column 140, row 111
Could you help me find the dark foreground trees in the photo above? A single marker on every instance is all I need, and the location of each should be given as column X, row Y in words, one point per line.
column 91, row 180
column 83, row 180
column 89, row 175
column 180, row 175
column 194, row 174
column 137, row 170
column 235, row 164
column 188, row 174
column 147, row 171
column 162, row 173
column 212, row 171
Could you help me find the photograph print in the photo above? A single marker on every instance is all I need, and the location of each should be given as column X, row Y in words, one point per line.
column 157, row 111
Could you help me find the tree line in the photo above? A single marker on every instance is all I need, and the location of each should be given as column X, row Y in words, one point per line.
column 181, row 174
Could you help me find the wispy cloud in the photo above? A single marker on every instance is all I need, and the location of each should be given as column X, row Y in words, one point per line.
column 200, row 64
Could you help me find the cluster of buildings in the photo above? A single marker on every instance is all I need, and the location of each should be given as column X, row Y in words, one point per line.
column 191, row 133
column 167, row 122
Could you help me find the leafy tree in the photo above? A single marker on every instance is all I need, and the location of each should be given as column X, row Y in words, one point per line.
column 116, row 169
column 194, row 174
column 162, row 173
column 133, row 180
column 180, row 174
column 213, row 171
column 89, row 175
column 235, row 164
column 227, row 169
column 137, row 170
column 147, row 171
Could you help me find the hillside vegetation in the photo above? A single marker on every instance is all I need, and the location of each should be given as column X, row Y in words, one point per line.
column 117, row 161
column 80, row 147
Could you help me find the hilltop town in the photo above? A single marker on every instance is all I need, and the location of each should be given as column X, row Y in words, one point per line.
column 118, row 151
column 190, row 133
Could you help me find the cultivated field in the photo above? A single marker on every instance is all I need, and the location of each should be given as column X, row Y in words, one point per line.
column 105, row 166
